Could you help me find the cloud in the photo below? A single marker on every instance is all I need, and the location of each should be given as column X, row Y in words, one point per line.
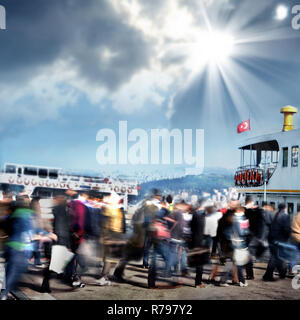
column 119, row 54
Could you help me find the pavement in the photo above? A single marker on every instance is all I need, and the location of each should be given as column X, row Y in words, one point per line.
column 136, row 287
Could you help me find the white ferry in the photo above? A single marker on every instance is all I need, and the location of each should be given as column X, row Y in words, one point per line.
column 271, row 172
column 47, row 182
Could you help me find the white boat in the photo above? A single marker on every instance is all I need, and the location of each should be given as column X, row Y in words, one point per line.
column 46, row 182
column 269, row 169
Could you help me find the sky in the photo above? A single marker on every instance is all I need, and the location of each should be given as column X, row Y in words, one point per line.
column 71, row 68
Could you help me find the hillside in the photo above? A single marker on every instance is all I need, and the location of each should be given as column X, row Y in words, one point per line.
column 190, row 184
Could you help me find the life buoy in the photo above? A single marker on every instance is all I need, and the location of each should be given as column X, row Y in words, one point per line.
column 129, row 190
column 55, row 184
column 256, row 176
column 62, row 185
column 48, row 184
column 123, row 189
column 252, row 176
column 247, row 173
column 19, row 181
column 33, row 182
column 26, row 182
column 238, row 178
column 11, row 180
column 116, row 189
column 41, row 183
column 242, row 179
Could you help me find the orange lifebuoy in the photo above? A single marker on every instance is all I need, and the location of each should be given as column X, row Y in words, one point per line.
column 19, row 181
column 252, row 176
column 33, row 182
column 62, row 185
column 26, row 182
column 116, row 189
column 129, row 190
column 48, row 184
column 41, row 183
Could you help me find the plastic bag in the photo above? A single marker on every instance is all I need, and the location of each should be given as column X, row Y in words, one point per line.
column 60, row 257
column 2, row 276
column 241, row 256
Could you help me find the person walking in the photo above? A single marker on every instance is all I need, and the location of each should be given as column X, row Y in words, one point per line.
column 200, row 245
column 18, row 247
column 280, row 230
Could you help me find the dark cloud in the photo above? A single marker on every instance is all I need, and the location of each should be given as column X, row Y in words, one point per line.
column 41, row 31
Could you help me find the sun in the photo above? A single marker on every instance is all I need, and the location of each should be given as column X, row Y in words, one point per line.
column 211, row 47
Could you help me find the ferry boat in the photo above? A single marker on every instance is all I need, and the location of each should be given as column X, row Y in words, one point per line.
column 269, row 169
column 47, row 182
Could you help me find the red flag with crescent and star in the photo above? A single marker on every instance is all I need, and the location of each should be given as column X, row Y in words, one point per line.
column 244, row 126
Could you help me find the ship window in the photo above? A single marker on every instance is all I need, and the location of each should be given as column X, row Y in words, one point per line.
column 30, row 171
column 298, row 207
column 53, row 174
column 285, row 157
column 10, row 169
column 43, row 173
column 295, row 156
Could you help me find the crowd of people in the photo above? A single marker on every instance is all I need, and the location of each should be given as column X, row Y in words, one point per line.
column 170, row 235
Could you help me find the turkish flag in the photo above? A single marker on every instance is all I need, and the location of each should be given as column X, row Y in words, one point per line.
column 244, row 126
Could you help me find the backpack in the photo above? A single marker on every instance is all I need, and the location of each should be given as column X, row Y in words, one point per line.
column 92, row 221
column 159, row 230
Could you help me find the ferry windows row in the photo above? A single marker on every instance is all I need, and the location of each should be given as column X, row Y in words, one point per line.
column 10, row 169
column 294, row 156
column 31, row 171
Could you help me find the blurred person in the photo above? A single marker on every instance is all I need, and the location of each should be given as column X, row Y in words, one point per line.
column 38, row 230
column 114, row 228
column 135, row 247
column 176, row 242
column 226, row 251
column 233, row 229
column 5, row 210
column 295, row 239
column 62, row 236
column 187, row 238
column 19, row 225
column 77, row 209
column 240, row 232
column 256, row 239
column 151, row 207
column 95, row 217
column 200, row 243
column 160, row 232
column 212, row 217
column 280, row 230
